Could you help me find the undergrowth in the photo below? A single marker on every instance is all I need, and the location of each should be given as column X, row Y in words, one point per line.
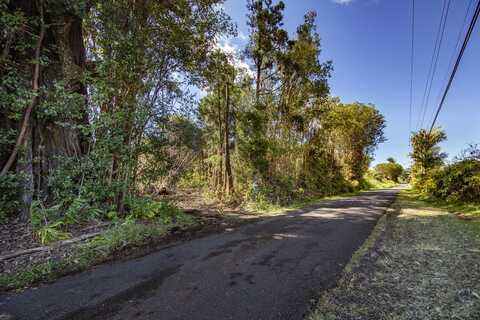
column 118, row 240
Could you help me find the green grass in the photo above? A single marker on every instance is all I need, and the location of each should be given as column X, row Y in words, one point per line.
column 467, row 209
column 120, row 239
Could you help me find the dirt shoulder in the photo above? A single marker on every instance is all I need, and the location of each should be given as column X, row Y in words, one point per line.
column 424, row 265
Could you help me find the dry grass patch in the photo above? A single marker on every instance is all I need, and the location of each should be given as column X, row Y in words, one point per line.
column 426, row 265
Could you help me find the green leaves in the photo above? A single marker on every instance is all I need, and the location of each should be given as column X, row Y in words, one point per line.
column 51, row 232
column 149, row 209
column 426, row 154
column 389, row 170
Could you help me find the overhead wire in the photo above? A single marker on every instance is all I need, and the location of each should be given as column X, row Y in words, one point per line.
column 411, row 68
column 454, row 51
column 457, row 63
column 431, row 65
column 427, row 99
column 433, row 62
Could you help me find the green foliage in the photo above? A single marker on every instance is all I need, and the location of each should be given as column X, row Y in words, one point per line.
column 41, row 215
column 195, row 178
column 390, row 170
column 120, row 237
column 253, row 146
column 46, row 225
column 356, row 130
column 371, row 180
column 149, row 209
column 426, row 154
column 458, row 182
column 264, row 198
column 51, row 232
column 140, row 130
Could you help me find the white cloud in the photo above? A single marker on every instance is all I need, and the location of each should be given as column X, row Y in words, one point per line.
column 242, row 36
column 228, row 47
column 233, row 51
column 343, row 1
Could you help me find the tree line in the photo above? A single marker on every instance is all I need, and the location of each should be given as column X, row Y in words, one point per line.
column 99, row 108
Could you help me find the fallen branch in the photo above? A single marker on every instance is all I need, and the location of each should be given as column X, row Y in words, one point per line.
column 24, row 252
column 48, row 248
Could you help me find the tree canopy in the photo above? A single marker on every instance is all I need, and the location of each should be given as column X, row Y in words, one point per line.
column 100, row 108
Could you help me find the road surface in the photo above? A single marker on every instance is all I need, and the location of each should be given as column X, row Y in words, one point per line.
column 273, row 269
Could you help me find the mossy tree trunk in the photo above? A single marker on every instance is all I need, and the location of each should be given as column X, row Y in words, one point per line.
column 48, row 138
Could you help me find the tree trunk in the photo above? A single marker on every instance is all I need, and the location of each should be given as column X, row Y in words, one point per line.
column 24, row 169
column 53, row 141
column 257, row 84
column 47, row 141
column 220, row 177
column 228, row 178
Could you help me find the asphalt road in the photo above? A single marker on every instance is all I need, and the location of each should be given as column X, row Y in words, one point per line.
column 273, row 269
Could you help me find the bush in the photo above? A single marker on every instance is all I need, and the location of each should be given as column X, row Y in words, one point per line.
column 46, row 224
column 457, row 182
column 51, row 232
column 150, row 209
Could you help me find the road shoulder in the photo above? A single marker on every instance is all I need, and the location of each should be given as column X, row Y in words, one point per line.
column 423, row 264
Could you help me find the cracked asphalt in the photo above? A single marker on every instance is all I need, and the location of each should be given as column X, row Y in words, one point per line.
column 273, row 269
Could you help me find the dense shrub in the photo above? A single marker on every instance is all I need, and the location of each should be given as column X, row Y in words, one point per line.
column 149, row 209
column 456, row 182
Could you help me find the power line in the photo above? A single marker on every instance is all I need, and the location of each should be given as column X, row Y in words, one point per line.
column 411, row 68
column 455, row 48
column 435, row 64
column 457, row 63
column 431, row 65
column 433, row 61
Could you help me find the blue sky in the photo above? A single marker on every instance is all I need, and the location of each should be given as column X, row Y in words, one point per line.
column 369, row 44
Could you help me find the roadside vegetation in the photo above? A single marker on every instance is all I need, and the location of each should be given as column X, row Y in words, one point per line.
column 101, row 122
column 118, row 240
column 454, row 185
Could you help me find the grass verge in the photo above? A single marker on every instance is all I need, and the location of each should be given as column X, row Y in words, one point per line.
column 466, row 210
column 425, row 266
